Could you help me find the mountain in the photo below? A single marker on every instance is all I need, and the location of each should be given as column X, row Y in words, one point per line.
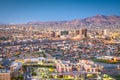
column 98, row 20
column 102, row 20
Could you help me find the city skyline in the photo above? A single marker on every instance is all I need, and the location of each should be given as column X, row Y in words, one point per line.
column 22, row 11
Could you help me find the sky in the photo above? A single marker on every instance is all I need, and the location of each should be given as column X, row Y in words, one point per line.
column 22, row 11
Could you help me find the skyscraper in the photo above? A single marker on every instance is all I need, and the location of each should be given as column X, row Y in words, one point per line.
column 77, row 32
column 53, row 34
column 83, row 32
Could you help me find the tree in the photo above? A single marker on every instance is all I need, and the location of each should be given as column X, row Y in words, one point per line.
column 34, row 74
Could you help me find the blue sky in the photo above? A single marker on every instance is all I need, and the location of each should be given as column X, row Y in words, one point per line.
column 21, row 11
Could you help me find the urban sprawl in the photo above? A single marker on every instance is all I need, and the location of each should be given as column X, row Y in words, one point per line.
column 35, row 53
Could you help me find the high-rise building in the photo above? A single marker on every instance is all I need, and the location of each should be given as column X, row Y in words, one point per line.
column 64, row 32
column 83, row 32
column 77, row 32
column 53, row 34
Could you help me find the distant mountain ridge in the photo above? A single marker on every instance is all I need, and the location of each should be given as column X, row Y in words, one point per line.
column 98, row 20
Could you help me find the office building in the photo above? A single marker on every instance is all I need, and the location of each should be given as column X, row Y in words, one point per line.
column 53, row 34
column 83, row 32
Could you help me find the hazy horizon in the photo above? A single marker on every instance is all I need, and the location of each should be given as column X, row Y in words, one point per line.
column 22, row 11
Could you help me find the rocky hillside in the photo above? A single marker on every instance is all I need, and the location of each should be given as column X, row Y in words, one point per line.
column 98, row 20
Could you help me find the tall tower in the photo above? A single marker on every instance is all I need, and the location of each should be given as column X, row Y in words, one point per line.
column 83, row 32
column 77, row 32
column 53, row 34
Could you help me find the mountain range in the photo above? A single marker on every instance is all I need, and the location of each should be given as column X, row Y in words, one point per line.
column 98, row 20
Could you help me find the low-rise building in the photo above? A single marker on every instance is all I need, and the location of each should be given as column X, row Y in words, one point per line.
column 4, row 74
